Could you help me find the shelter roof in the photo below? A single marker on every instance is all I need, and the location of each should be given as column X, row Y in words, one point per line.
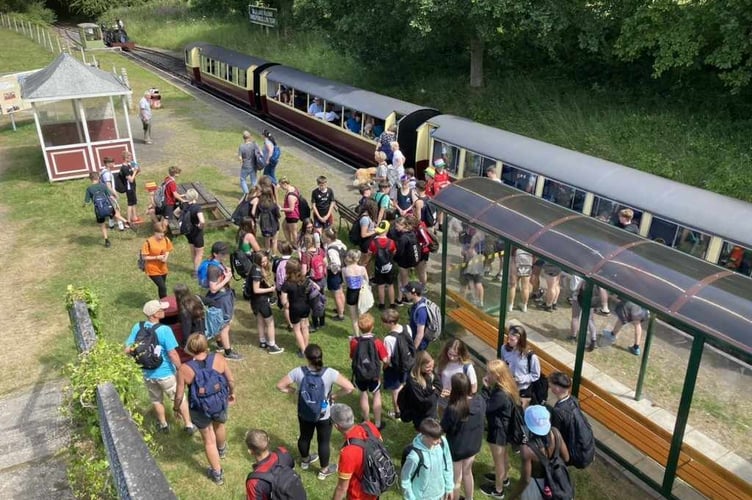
column 68, row 78
column 708, row 212
column 684, row 289
column 371, row 103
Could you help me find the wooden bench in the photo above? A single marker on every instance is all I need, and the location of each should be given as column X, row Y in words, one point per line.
column 348, row 213
column 216, row 214
column 654, row 441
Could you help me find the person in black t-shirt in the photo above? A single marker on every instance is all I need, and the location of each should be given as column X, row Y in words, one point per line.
column 322, row 204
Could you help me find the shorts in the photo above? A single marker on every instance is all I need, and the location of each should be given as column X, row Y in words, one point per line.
column 297, row 315
column 351, row 296
column 292, row 220
column 130, row 195
column 496, row 436
column 224, row 300
column 323, row 225
column 384, row 278
column 524, row 271
column 261, row 306
column 334, row 281
column 526, row 393
column 202, row 421
column 475, row 278
column 100, row 220
column 424, row 256
column 372, row 386
column 158, row 388
column 196, row 238
column 551, row 270
column 393, row 379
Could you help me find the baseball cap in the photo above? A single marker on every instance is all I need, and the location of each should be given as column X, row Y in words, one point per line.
column 153, row 306
column 383, row 227
column 220, row 248
column 439, row 163
column 538, row 420
column 415, row 287
column 429, row 172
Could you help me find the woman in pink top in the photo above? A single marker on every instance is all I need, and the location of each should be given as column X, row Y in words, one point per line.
column 291, row 210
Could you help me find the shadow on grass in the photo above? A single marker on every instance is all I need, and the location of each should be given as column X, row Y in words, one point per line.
column 132, row 298
column 88, row 240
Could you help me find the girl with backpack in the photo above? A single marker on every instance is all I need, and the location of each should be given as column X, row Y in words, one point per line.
column 417, row 399
column 408, row 252
column 266, row 214
column 463, row 422
column 313, row 265
column 455, row 358
column 545, row 441
column 335, row 256
column 404, row 197
column 382, row 250
column 291, row 210
column 262, row 289
column 356, row 277
column 523, row 363
column 315, row 383
column 307, row 229
column 247, row 241
column 294, row 296
column 367, row 216
column 500, row 393
column 190, row 311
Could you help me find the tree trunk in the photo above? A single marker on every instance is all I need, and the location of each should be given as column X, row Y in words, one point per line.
column 476, row 62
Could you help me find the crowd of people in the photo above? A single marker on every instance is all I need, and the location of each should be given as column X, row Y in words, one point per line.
column 449, row 405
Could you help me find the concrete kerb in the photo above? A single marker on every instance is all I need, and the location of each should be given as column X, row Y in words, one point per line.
column 134, row 470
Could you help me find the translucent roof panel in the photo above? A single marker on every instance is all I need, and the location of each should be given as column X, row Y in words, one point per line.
column 691, row 291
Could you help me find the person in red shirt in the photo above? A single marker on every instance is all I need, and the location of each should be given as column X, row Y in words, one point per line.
column 257, row 442
column 171, row 193
column 384, row 269
column 351, row 463
column 437, row 182
column 367, row 376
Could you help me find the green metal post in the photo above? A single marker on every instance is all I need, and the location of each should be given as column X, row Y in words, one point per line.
column 503, row 295
column 582, row 334
column 682, row 416
column 645, row 356
column 444, row 258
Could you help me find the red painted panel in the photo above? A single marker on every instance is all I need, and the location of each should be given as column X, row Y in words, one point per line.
column 70, row 163
column 113, row 150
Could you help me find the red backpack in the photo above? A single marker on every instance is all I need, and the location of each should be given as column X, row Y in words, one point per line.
column 427, row 240
column 318, row 265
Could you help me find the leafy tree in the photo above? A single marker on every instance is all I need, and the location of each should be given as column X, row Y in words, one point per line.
column 692, row 35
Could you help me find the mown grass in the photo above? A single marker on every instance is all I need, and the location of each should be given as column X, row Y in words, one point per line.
column 51, row 216
column 692, row 136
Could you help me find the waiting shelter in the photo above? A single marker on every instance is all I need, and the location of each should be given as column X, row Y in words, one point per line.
column 673, row 415
column 81, row 116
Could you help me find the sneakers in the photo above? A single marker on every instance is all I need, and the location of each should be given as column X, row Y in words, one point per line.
column 190, row 429
column 300, row 354
column 263, row 344
column 603, row 311
column 635, row 349
column 305, row 464
column 222, row 451
column 163, row 428
column 217, row 476
column 107, row 243
column 327, row 471
column 111, row 224
column 608, row 338
column 524, row 308
column 510, row 308
column 234, row 356
column 312, row 329
column 592, row 346
column 121, row 226
column 490, row 491
column 490, row 476
column 274, row 349
column 339, row 318
column 381, row 426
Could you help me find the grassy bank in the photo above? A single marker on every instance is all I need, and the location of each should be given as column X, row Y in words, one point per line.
column 693, row 137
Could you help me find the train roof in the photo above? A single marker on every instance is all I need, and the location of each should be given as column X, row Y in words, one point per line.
column 696, row 208
column 231, row 57
column 371, row 103
column 694, row 292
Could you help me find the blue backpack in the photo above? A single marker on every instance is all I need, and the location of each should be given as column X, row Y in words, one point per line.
column 102, row 205
column 203, row 272
column 312, row 396
column 209, row 390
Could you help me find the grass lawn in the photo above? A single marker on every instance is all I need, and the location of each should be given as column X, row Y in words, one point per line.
column 51, row 241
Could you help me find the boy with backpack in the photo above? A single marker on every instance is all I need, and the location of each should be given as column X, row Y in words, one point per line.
column 273, row 474
column 425, row 316
column 567, row 417
column 335, row 255
column 401, row 352
column 427, row 471
column 104, row 205
column 382, row 250
column 368, row 354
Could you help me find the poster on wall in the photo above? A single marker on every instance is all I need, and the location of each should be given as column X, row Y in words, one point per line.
column 10, row 93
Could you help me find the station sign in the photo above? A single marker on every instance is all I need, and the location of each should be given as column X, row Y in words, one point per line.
column 263, row 16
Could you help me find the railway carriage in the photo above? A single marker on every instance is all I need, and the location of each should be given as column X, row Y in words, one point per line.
column 287, row 95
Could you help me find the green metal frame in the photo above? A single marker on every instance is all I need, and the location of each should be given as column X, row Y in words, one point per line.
column 645, row 357
column 503, row 296
column 579, row 360
column 444, row 258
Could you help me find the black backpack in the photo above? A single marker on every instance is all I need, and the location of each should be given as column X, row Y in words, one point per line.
column 186, row 219
column 539, row 388
column 383, row 263
column 427, row 214
column 121, row 183
column 267, row 222
column 240, row 263
column 582, row 445
column 557, row 484
column 304, row 209
column 516, row 433
column 408, row 250
column 242, row 211
column 285, row 483
column 145, row 349
column 366, row 364
column 379, row 473
column 403, row 355
column 421, row 460
column 354, row 234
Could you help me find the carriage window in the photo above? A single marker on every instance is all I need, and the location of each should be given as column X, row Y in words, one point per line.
column 187, row 56
column 332, row 113
column 369, row 127
column 242, row 78
column 450, row 155
column 228, row 73
column 737, row 258
column 608, row 211
column 682, row 238
column 518, row 178
column 353, row 120
column 564, row 195
column 476, row 165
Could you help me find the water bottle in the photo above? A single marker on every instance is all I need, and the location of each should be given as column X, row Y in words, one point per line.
column 324, row 406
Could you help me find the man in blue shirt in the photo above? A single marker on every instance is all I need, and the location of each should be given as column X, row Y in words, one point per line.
column 418, row 313
column 161, row 381
column 315, row 106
